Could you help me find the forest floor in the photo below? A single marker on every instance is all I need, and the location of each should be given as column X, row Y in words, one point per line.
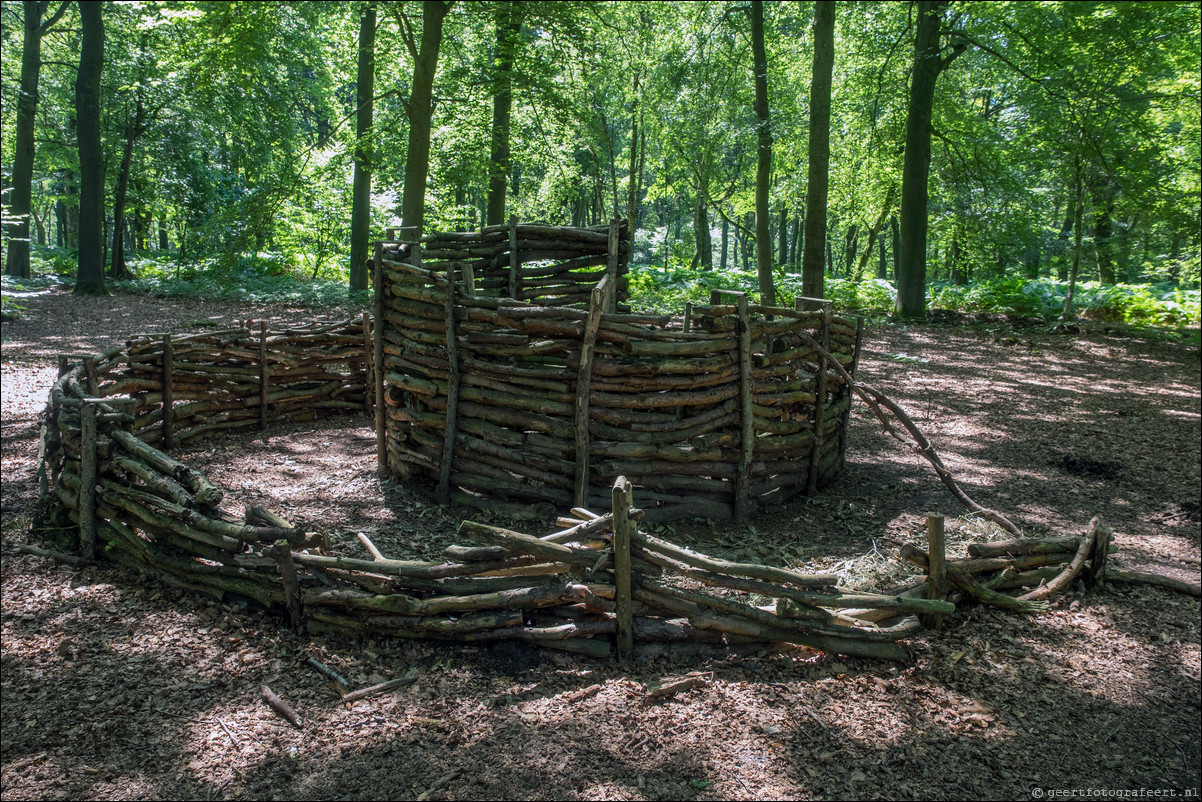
column 115, row 689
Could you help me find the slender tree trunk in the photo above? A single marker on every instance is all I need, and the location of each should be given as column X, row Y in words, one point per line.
column 1103, row 231
column 783, row 237
column 850, row 241
column 118, row 269
column 725, row 244
column 421, row 111
column 508, row 30
column 1070, row 311
column 634, row 187
column 916, row 166
column 365, row 92
column 882, row 268
column 795, row 248
column 896, row 243
column 763, row 171
column 90, row 277
column 812, row 269
column 21, row 195
column 701, row 235
column 866, row 254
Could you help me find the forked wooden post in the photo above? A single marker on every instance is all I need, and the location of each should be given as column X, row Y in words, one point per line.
column 377, row 307
column 168, row 436
column 87, row 481
column 621, row 498
column 92, row 377
column 937, row 571
column 584, row 378
column 287, row 568
column 448, row 443
column 264, row 375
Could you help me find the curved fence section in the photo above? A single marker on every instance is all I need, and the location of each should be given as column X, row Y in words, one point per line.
column 498, row 398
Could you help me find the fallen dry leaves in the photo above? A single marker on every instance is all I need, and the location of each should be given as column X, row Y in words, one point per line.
column 116, row 689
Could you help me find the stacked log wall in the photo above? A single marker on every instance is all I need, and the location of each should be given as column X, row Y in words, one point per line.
column 664, row 404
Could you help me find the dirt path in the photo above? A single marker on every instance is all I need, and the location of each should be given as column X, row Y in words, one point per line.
column 115, row 689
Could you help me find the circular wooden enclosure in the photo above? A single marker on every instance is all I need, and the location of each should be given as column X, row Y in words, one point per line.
column 512, row 371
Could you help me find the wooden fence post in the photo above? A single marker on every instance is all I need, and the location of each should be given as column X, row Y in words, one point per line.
column 851, row 371
column 93, row 379
column 264, row 374
column 611, row 266
column 168, row 437
column 513, row 256
column 368, row 359
column 87, row 481
column 287, row 568
column 621, row 500
column 747, row 444
column 448, row 445
column 824, row 339
column 584, row 379
column 937, row 571
column 378, row 354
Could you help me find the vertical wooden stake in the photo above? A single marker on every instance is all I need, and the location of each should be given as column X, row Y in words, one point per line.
column 168, row 438
column 688, row 316
column 93, row 379
column 368, row 359
column 513, row 256
column 469, row 280
column 855, row 364
column 377, row 306
column 611, row 267
column 621, row 498
column 747, row 444
column 283, row 557
column 937, row 573
column 87, row 482
column 824, row 339
column 448, row 444
column 264, row 374
column 62, row 364
column 584, row 379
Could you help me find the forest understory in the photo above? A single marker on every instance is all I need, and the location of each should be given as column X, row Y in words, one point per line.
column 117, row 689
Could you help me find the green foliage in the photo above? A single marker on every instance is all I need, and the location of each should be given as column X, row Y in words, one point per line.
column 1142, row 304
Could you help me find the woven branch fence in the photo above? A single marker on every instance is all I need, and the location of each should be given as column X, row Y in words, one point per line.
column 598, row 583
column 535, row 387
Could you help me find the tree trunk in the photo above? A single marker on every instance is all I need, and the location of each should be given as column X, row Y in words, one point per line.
column 783, row 237
column 634, row 180
column 916, row 166
column 21, row 197
column 763, row 170
column 118, row 270
column 896, row 245
column 508, row 31
column 956, row 258
column 882, row 268
column 90, row 276
column 1103, row 231
column 862, row 264
column 365, row 91
column 725, row 243
column 1070, row 312
column 701, row 235
column 421, row 110
column 812, row 269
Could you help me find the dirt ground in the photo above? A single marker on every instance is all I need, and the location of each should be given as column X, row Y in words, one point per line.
column 116, row 689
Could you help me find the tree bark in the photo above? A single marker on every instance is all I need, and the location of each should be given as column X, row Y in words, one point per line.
column 365, row 90
column 17, row 259
column 90, row 276
column 916, row 166
column 420, row 109
column 763, row 171
column 813, row 270
column 118, row 270
column 508, row 29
